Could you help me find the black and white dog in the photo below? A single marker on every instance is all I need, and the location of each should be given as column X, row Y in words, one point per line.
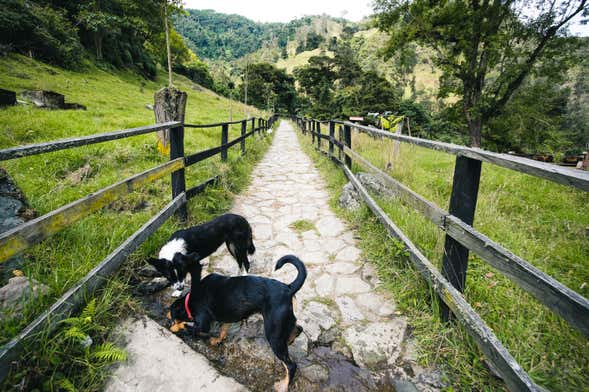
column 233, row 230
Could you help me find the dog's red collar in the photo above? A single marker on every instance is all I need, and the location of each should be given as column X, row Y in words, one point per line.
column 186, row 306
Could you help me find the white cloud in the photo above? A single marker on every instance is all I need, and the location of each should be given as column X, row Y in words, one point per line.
column 284, row 11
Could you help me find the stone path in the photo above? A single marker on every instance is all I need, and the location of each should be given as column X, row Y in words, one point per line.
column 339, row 306
column 353, row 339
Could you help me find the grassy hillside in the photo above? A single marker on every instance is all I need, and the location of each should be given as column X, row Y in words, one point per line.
column 115, row 100
column 543, row 222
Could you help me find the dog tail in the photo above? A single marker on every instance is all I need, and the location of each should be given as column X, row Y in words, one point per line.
column 302, row 275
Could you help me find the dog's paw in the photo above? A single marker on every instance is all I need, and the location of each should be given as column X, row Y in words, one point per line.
column 177, row 293
column 215, row 341
column 281, row 386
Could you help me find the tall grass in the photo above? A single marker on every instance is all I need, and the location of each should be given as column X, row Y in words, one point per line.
column 115, row 100
column 543, row 222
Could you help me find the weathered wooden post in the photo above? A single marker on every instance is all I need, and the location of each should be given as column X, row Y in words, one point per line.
column 259, row 126
column 348, row 141
column 463, row 202
column 319, row 135
column 253, row 126
column 243, row 131
column 340, row 136
column 170, row 105
column 331, row 134
column 313, row 130
column 224, row 139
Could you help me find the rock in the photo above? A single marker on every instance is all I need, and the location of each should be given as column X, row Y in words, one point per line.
column 49, row 100
column 376, row 304
column 375, row 184
column 18, row 290
column 349, row 310
column 343, row 268
column 351, row 285
column 376, row 345
column 324, row 285
column 315, row 373
column 328, row 337
column 349, row 198
column 7, row 98
column 299, row 349
column 44, row 98
column 9, row 207
column 330, row 226
column 431, row 377
column 404, row 386
column 153, row 286
column 314, row 318
column 160, row 361
column 349, row 254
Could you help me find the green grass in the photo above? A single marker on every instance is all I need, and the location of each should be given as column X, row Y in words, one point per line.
column 115, row 100
column 543, row 222
column 302, row 225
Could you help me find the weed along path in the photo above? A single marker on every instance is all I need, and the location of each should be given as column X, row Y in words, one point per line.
column 353, row 338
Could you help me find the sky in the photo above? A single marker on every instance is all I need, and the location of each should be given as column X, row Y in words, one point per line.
column 287, row 10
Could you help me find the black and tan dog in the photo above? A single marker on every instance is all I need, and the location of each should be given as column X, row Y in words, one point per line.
column 231, row 299
column 233, row 230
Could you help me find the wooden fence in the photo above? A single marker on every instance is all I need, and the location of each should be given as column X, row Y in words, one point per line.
column 462, row 237
column 18, row 239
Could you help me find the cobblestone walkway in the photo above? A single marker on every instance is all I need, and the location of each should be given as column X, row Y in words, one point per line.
column 354, row 339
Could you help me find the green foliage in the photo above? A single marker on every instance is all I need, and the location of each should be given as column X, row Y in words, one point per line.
column 115, row 99
column 485, row 50
column 216, row 36
column 39, row 31
column 270, row 87
column 541, row 221
column 197, row 71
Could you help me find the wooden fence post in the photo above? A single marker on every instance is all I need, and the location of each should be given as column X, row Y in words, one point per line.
column 348, row 141
column 224, row 140
column 313, row 131
column 463, row 201
column 170, row 105
column 243, row 131
column 331, row 134
column 319, row 135
column 340, row 136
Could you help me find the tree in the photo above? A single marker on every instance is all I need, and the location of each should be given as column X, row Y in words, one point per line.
column 485, row 48
column 269, row 87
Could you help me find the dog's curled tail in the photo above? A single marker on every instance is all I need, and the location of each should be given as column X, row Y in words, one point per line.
column 302, row 275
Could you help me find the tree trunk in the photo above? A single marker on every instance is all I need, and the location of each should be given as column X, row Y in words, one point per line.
column 475, row 126
column 169, row 105
column 98, row 44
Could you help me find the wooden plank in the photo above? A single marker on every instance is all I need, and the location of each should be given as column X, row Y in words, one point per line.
column 511, row 372
column 200, row 187
column 178, row 176
column 224, row 138
column 563, row 301
column 243, row 132
column 431, row 211
column 331, row 137
column 34, row 231
column 214, row 125
column 204, row 154
column 571, row 177
column 42, row 148
column 348, row 142
column 557, row 297
column 74, row 297
column 463, row 201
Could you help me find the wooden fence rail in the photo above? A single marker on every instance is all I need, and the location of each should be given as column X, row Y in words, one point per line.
column 462, row 237
column 32, row 232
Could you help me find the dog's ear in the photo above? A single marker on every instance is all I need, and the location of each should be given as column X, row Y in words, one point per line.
column 162, row 265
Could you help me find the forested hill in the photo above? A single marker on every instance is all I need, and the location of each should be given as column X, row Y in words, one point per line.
column 218, row 36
